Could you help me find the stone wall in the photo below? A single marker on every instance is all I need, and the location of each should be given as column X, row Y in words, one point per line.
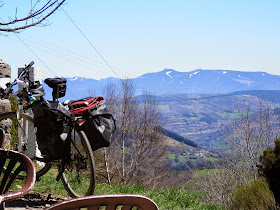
column 5, row 106
column 5, row 70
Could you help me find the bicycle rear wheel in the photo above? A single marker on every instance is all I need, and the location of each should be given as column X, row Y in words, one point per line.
column 78, row 176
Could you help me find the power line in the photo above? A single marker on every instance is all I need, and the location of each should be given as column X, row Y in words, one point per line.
column 63, row 56
column 40, row 60
column 75, row 55
column 82, row 63
column 171, row 95
column 55, row 46
column 177, row 98
column 35, row 55
column 90, row 43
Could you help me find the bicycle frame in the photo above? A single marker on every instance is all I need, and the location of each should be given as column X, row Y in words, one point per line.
column 23, row 115
column 78, row 163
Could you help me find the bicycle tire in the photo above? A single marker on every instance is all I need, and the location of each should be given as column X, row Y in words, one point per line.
column 78, row 178
column 44, row 170
column 41, row 167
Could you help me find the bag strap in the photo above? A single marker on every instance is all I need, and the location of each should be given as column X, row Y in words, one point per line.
column 90, row 103
column 89, row 100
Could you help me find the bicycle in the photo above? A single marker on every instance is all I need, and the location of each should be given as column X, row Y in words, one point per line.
column 76, row 169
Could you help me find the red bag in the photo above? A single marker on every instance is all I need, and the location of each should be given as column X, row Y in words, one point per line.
column 80, row 106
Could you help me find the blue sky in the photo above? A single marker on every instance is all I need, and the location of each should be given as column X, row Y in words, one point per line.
column 136, row 37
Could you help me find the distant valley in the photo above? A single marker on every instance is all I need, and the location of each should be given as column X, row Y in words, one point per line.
column 201, row 118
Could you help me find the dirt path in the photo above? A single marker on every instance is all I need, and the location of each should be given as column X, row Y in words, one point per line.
column 32, row 201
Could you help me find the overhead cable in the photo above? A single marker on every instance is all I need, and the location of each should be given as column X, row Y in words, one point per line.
column 90, row 43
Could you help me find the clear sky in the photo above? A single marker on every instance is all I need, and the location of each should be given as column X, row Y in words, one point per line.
column 141, row 36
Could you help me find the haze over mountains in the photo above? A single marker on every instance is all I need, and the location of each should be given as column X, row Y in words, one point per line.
column 169, row 81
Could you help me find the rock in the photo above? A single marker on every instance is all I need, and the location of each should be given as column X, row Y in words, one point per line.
column 6, row 125
column 5, row 70
column 5, row 106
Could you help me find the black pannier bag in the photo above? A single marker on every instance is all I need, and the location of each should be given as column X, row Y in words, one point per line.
column 99, row 126
column 99, row 123
column 51, row 120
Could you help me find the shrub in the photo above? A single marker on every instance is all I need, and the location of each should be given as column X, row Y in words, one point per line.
column 14, row 129
column 270, row 167
column 256, row 195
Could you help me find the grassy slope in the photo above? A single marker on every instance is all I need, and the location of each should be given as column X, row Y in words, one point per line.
column 167, row 198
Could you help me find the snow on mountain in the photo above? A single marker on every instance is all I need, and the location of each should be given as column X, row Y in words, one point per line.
column 73, row 79
column 193, row 74
column 169, row 81
column 168, row 73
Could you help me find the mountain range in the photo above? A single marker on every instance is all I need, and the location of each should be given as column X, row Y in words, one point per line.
column 169, row 81
column 193, row 104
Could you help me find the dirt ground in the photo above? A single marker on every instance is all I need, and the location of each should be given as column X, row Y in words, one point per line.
column 32, row 201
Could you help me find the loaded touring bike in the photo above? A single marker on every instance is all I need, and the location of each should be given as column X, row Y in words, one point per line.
column 57, row 134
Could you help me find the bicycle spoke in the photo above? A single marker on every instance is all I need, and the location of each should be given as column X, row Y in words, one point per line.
column 78, row 176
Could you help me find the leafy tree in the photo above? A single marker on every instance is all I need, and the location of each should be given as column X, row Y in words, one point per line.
column 270, row 167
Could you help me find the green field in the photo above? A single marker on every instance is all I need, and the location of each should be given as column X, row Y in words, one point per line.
column 171, row 156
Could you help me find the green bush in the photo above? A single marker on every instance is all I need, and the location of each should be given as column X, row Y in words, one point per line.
column 270, row 168
column 14, row 129
column 256, row 195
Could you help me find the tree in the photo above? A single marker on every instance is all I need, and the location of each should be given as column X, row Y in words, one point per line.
column 251, row 129
column 270, row 168
column 38, row 14
column 219, row 185
column 137, row 150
